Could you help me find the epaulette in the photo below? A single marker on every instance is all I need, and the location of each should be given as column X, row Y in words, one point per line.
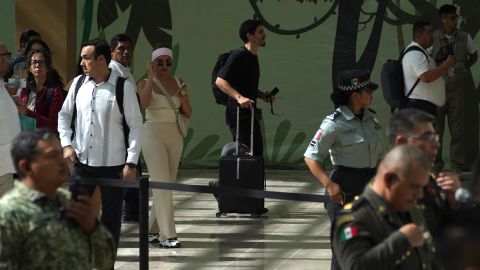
column 333, row 115
column 344, row 219
column 372, row 110
column 354, row 204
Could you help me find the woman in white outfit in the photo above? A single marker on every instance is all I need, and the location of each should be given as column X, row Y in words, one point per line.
column 162, row 142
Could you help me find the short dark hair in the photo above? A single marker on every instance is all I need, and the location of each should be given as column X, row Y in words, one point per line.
column 25, row 146
column 405, row 122
column 447, row 9
column 419, row 28
column 122, row 37
column 248, row 27
column 29, row 34
column 340, row 98
column 32, row 42
column 101, row 48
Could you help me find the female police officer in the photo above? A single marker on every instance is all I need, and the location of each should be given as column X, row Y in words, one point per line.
column 354, row 139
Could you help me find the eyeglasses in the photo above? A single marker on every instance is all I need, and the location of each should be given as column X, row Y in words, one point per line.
column 164, row 63
column 430, row 137
column 38, row 62
column 7, row 54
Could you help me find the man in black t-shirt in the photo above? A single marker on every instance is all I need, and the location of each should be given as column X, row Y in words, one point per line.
column 239, row 79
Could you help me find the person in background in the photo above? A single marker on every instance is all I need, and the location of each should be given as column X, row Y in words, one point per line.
column 9, row 123
column 449, row 40
column 429, row 93
column 353, row 137
column 162, row 141
column 43, row 97
column 122, row 52
column 383, row 229
column 239, row 79
column 41, row 227
column 37, row 44
column 18, row 62
column 411, row 126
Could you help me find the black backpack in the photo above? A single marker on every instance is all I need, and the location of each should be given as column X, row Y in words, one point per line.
column 220, row 97
column 392, row 81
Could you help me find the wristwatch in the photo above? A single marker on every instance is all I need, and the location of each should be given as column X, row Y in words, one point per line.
column 131, row 165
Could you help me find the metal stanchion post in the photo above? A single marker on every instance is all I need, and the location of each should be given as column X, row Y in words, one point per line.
column 143, row 222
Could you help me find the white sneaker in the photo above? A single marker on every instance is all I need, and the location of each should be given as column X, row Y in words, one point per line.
column 170, row 243
column 153, row 238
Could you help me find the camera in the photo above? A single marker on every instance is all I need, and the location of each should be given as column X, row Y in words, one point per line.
column 444, row 52
column 78, row 189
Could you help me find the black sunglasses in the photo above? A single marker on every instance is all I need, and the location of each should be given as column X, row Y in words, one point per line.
column 164, row 64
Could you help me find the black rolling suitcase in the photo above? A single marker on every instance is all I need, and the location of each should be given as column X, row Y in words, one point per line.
column 241, row 171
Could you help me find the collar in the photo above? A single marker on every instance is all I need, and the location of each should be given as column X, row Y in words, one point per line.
column 123, row 69
column 111, row 79
column 348, row 114
column 381, row 207
column 30, row 193
column 35, row 195
column 416, row 44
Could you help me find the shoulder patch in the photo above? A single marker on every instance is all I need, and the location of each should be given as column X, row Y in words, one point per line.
column 348, row 233
column 333, row 115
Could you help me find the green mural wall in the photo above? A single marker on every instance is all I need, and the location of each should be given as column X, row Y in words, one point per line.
column 298, row 58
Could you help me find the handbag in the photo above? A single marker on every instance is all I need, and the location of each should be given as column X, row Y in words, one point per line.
column 182, row 120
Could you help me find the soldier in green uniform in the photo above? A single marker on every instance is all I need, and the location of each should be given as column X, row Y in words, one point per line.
column 416, row 127
column 40, row 226
column 353, row 137
column 383, row 229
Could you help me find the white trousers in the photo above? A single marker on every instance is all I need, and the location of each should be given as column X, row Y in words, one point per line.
column 162, row 147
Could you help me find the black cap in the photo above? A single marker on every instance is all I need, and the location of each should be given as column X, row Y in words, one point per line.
column 354, row 79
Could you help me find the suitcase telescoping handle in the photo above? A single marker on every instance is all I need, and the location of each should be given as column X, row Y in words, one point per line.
column 237, row 135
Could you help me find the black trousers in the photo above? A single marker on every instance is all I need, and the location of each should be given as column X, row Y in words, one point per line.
column 112, row 197
column 131, row 200
column 352, row 181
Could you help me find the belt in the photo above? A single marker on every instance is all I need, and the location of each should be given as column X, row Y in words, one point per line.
column 345, row 168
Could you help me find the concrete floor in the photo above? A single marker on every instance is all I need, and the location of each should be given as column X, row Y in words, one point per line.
column 294, row 235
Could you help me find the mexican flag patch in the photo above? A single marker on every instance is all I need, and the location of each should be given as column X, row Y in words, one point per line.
column 348, row 233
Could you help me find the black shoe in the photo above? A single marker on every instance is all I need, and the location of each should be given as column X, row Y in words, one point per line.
column 130, row 218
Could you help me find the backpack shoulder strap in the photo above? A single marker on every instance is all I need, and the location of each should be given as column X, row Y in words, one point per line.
column 413, row 48
column 119, row 97
column 48, row 100
column 119, row 93
column 74, row 114
column 409, row 49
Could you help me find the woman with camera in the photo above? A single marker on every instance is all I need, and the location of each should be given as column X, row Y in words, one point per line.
column 43, row 97
column 353, row 137
column 163, row 96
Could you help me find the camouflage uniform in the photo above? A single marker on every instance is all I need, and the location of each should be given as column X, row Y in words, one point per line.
column 34, row 234
column 367, row 236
